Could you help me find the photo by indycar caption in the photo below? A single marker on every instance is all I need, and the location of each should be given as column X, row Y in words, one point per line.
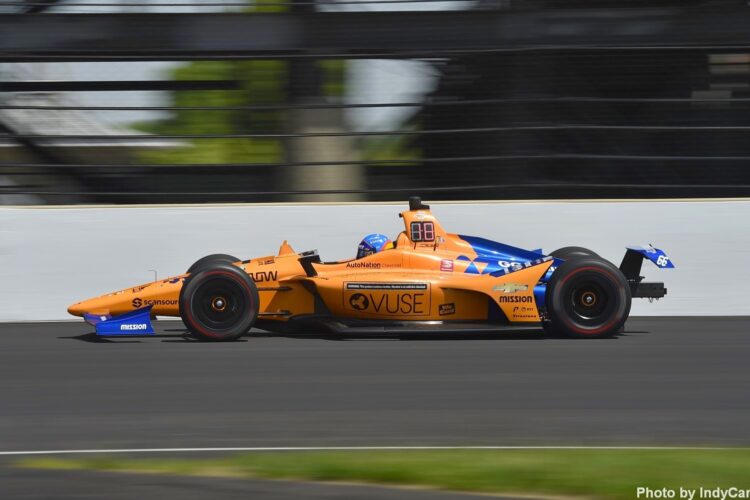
column 427, row 280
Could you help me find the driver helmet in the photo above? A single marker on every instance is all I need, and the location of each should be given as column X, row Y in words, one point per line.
column 373, row 243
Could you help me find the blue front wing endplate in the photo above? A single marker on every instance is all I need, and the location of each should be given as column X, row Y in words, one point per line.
column 132, row 323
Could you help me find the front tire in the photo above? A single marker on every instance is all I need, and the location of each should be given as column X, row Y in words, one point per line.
column 211, row 260
column 219, row 303
column 587, row 297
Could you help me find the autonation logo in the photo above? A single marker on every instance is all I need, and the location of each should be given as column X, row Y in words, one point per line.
column 137, row 326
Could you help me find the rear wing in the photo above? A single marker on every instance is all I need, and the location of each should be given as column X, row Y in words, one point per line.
column 631, row 268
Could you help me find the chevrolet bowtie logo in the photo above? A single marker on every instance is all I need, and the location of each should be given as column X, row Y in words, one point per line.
column 510, row 288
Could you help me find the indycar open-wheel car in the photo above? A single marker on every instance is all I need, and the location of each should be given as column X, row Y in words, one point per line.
column 430, row 280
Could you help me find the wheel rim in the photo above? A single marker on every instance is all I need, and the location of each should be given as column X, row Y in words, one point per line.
column 591, row 300
column 219, row 303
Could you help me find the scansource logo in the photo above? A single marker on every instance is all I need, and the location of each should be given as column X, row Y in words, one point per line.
column 136, row 326
column 138, row 302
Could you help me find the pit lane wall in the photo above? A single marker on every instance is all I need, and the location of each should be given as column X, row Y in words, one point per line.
column 52, row 257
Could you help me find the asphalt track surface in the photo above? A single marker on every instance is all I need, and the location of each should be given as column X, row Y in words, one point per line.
column 665, row 381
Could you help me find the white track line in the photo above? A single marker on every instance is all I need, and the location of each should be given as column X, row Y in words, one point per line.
column 360, row 448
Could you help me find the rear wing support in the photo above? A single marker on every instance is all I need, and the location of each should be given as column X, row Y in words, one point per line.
column 631, row 266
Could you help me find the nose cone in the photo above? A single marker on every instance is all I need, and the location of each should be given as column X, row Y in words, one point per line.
column 77, row 309
column 97, row 305
column 162, row 295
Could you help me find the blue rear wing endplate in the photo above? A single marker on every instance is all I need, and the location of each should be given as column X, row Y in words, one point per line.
column 136, row 322
column 634, row 257
column 655, row 255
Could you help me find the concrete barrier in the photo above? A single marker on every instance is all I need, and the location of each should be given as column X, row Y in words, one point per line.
column 51, row 257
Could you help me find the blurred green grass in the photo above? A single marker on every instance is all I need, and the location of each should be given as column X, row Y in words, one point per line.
column 602, row 473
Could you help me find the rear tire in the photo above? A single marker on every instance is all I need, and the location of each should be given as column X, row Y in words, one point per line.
column 587, row 297
column 219, row 303
column 211, row 260
column 567, row 253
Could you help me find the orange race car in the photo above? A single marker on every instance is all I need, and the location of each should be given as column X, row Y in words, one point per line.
column 425, row 280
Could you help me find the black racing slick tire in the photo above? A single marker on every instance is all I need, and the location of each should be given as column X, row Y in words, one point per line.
column 219, row 303
column 211, row 260
column 567, row 253
column 587, row 297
